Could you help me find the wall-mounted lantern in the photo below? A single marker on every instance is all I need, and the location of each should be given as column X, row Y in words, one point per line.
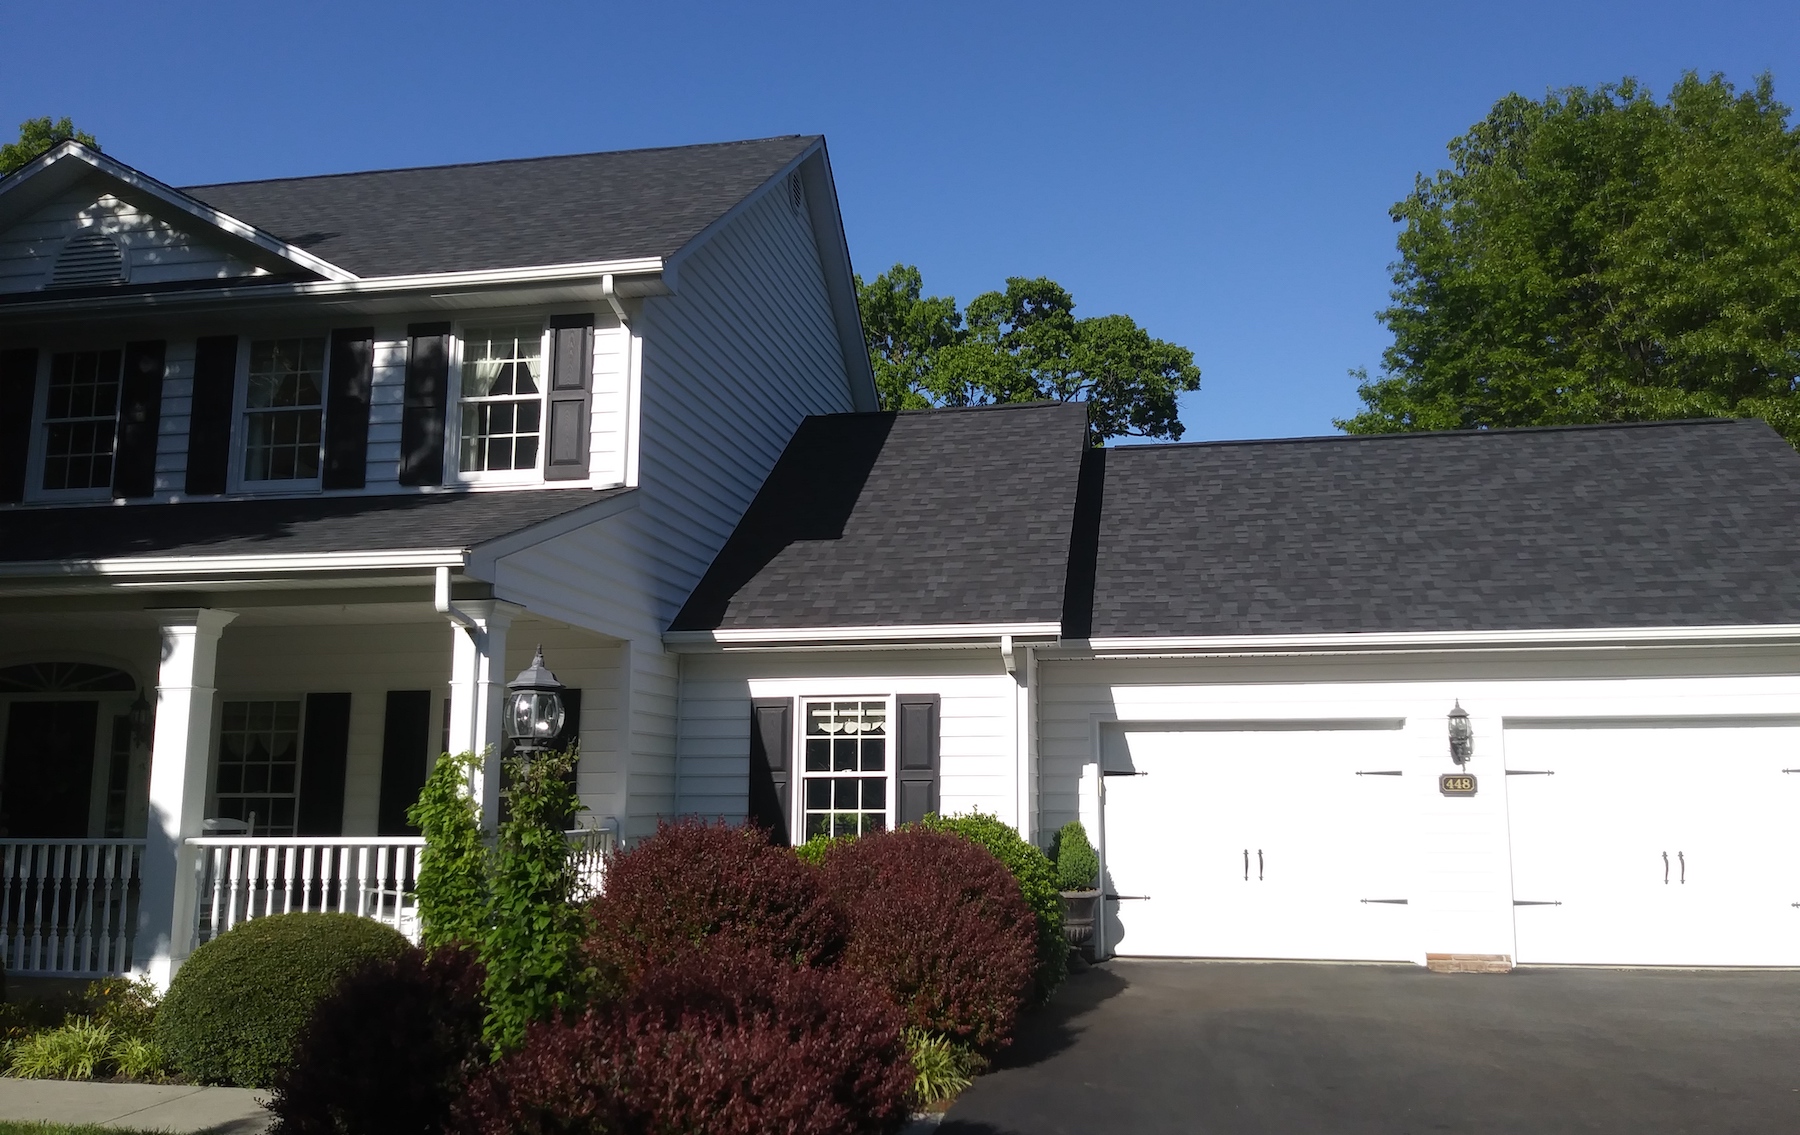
column 142, row 719
column 534, row 709
column 1462, row 737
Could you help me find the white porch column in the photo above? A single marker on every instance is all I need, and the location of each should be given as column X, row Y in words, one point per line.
column 477, row 684
column 179, row 758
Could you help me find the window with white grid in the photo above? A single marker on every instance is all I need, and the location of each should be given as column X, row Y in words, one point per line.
column 501, row 398
column 81, row 414
column 845, row 790
column 259, row 764
column 284, row 409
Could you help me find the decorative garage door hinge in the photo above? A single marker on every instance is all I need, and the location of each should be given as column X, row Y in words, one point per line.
column 1384, row 772
column 1128, row 898
column 1529, row 772
column 1389, row 902
column 1534, row 902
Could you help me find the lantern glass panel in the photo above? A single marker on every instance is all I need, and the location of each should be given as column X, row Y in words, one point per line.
column 535, row 715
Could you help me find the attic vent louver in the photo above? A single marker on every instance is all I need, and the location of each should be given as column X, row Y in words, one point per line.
column 87, row 260
column 796, row 196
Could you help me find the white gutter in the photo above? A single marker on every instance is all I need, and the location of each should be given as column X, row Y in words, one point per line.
column 382, row 285
column 1375, row 642
column 938, row 634
column 189, row 566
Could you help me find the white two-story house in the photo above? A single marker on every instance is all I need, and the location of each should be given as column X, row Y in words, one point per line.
column 296, row 474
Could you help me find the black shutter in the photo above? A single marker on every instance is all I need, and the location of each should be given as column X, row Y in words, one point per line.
column 323, row 756
column 140, row 413
column 347, row 408
column 916, row 739
column 405, row 757
column 426, row 399
column 18, row 389
column 209, row 427
column 569, row 738
column 571, row 386
column 771, row 765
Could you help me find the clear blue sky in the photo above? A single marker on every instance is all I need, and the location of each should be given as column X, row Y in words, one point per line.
column 1219, row 172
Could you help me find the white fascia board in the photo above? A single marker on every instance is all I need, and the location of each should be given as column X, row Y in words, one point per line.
column 184, row 567
column 1378, row 642
column 143, row 183
column 432, row 282
column 792, row 638
column 484, row 558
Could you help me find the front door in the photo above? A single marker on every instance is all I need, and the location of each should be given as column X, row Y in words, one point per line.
column 47, row 782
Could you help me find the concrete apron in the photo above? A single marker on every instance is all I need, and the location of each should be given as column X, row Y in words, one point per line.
column 181, row 1108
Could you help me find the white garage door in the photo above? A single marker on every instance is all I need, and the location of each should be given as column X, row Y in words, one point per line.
column 1655, row 846
column 1258, row 844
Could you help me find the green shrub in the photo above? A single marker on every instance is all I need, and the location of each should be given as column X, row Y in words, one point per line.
column 235, row 1008
column 128, row 1007
column 1037, row 880
column 74, row 1051
column 941, row 1067
column 1077, row 864
column 815, row 850
column 453, row 869
column 137, row 1058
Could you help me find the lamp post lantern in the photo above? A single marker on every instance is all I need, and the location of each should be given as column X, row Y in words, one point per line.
column 141, row 718
column 534, row 709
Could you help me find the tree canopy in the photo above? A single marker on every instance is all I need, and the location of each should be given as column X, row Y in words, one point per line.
column 37, row 135
column 1020, row 345
column 1599, row 256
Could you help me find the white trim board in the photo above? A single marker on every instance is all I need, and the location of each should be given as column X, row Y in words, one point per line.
column 927, row 635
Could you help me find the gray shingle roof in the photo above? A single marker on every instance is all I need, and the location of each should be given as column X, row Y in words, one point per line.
column 509, row 214
column 1667, row 524
column 929, row 517
column 280, row 527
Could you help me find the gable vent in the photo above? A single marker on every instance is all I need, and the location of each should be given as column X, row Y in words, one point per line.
column 796, row 196
column 87, row 260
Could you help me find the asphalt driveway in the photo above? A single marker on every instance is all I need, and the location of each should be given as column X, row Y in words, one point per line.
column 1147, row 1047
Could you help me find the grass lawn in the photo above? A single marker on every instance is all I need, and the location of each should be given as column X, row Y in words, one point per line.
column 27, row 1127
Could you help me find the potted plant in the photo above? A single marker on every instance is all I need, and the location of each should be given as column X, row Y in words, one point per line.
column 1077, row 873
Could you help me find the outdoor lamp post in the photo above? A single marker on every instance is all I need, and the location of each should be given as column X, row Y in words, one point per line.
column 534, row 709
column 1462, row 738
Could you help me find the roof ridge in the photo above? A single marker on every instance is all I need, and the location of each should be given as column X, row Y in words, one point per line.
column 1415, row 435
column 493, row 162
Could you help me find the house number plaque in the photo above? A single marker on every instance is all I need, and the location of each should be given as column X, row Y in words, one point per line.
column 1456, row 784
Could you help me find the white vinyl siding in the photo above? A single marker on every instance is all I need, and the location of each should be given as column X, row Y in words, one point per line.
column 153, row 250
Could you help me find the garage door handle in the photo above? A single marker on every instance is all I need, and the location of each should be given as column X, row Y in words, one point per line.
column 1390, row 902
column 1530, row 772
column 1665, row 868
column 1535, row 902
column 1392, row 772
column 1259, row 867
column 1246, row 865
column 1682, row 855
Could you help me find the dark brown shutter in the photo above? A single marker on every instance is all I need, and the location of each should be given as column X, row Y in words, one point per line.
column 347, row 408
column 571, row 396
column 209, row 427
column 18, row 389
column 916, row 740
column 426, row 399
column 771, row 765
column 324, row 753
column 405, row 757
column 140, row 413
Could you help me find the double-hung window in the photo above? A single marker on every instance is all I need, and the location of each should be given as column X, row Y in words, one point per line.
column 284, row 409
column 500, row 397
column 81, row 413
column 847, row 767
column 259, row 764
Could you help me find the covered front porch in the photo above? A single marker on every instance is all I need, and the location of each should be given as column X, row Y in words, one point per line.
column 177, row 761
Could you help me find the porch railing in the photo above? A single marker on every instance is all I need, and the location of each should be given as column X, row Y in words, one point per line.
column 68, row 907
column 245, row 877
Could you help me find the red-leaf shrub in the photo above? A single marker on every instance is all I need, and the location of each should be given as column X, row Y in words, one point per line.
column 727, row 1041
column 942, row 926
column 692, row 881
column 388, row 1051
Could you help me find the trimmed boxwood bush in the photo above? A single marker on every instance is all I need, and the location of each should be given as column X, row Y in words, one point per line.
column 727, row 1041
column 942, row 927
column 238, row 1004
column 1077, row 863
column 388, row 1051
column 1037, row 882
column 693, row 881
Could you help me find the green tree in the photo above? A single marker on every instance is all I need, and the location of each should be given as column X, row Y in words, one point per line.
column 1599, row 256
column 37, row 135
column 1019, row 345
